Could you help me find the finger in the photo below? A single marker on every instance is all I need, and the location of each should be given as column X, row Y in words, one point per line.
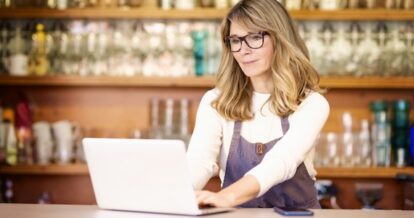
column 203, row 196
column 208, row 199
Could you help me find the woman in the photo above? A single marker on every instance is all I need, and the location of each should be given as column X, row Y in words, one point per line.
column 256, row 129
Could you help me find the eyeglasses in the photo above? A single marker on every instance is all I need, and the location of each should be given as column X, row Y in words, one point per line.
column 252, row 40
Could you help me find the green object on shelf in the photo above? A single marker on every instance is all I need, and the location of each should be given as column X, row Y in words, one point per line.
column 401, row 109
column 400, row 132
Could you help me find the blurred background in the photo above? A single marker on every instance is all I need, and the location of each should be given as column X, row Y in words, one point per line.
column 71, row 69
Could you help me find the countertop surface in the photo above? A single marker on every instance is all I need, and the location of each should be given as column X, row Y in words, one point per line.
column 91, row 211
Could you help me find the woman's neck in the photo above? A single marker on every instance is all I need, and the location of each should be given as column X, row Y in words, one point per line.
column 262, row 84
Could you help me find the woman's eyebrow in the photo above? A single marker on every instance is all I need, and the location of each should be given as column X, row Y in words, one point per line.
column 243, row 35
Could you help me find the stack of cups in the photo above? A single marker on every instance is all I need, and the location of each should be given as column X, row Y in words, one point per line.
column 64, row 141
column 44, row 142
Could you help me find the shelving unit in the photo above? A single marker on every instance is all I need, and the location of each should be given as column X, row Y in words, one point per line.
column 52, row 169
column 120, row 104
column 323, row 172
column 198, row 14
column 345, row 82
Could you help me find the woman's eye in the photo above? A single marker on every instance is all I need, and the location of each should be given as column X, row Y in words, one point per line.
column 234, row 41
column 256, row 37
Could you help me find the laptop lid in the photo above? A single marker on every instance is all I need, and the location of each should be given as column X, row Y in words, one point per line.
column 148, row 175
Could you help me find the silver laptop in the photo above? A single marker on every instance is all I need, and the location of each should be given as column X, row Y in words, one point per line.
column 146, row 175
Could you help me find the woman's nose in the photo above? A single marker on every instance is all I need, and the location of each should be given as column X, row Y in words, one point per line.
column 244, row 48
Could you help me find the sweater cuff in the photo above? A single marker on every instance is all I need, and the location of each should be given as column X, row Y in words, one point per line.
column 263, row 178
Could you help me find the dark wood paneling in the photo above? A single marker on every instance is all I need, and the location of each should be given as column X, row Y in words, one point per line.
column 63, row 189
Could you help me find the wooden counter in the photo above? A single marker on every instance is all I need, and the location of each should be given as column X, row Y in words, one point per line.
column 64, row 211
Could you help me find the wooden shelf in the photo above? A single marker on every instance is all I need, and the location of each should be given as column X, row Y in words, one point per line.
column 53, row 169
column 119, row 13
column 139, row 81
column 196, row 82
column 323, row 172
column 198, row 14
column 353, row 14
column 369, row 172
column 349, row 82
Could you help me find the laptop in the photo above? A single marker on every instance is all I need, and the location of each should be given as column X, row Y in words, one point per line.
column 145, row 175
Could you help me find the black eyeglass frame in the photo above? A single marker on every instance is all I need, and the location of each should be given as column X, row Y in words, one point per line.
column 243, row 38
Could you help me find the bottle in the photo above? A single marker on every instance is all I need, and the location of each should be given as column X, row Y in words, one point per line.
column 206, row 3
column 395, row 48
column 184, row 4
column 55, row 55
column 332, row 158
column 341, row 48
column 400, row 132
column 364, row 157
column 166, row 4
column 9, row 4
column 4, row 52
column 62, row 4
column 51, row 4
column 293, row 4
column 155, row 131
column 383, row 60
column 135, row 3
column 316, row 48
column 370, row 52
column 2, row 143
column 352, row 66
column 348, row 155
column 11, row 144
column 123, row 4
column 38, row 62
column 184, row 135
column 199, row 50
column 221, row 4
column 18, row 56
column 412, row 144
column 381, row 132
column 408, row 4
column 168, row 122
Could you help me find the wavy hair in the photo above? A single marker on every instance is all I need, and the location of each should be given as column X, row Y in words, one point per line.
column 291, row 72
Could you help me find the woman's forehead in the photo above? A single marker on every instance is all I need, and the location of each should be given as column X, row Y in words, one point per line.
column 239, row 27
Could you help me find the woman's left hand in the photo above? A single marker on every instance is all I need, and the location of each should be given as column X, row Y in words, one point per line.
column 237, row 193
column 208, row 198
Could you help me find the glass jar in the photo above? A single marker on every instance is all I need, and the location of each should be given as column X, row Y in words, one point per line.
column 369, row 53
column 381, row 133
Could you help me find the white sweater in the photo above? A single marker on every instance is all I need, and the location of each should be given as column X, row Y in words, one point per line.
column 210, row 143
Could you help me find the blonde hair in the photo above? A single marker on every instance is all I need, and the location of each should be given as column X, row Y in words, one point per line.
column 291, row 72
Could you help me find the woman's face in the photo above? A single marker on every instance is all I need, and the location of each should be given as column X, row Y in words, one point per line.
column 255, row 63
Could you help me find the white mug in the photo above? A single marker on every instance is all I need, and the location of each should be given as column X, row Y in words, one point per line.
column 18, row 65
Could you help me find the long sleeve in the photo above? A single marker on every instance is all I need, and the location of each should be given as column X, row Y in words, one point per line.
column 280, row 163
column 205, row 143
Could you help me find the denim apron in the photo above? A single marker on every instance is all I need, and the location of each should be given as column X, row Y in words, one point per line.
column 297, row 192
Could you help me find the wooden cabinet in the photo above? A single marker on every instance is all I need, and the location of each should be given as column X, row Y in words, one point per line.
column 409, row 195
column 70, row 184
column 114, row 106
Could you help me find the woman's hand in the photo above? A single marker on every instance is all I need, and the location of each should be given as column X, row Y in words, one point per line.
column 237, row 193
column 219, row 199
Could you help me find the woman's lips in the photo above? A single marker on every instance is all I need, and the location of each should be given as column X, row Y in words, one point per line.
column 248, row 62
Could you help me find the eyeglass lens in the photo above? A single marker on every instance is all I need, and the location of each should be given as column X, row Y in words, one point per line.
column 252, row 40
